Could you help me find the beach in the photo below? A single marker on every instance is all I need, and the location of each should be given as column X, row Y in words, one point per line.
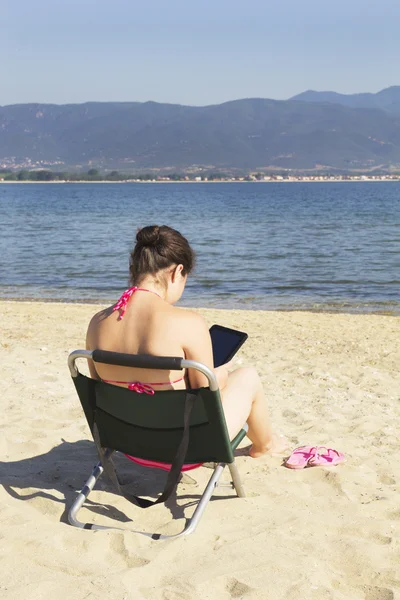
column 315, row 534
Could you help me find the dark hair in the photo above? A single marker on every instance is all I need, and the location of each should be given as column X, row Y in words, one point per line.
column 157, row 248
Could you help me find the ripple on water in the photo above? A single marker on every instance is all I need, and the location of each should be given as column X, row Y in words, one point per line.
column 325, row 246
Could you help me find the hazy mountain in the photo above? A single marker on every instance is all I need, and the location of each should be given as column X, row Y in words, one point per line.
column 244, row 134
column 387, row 99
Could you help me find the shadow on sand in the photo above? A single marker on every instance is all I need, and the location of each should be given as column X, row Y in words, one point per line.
column 66, row 467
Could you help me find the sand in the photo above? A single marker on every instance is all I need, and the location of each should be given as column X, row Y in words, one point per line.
column 313, row 534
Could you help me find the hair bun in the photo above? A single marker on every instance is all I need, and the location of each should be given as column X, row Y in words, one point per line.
column 148, row 236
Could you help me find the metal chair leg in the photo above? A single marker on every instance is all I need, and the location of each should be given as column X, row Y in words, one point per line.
column 191, row 524
column 205, row 498
column 237, row 482
column 84, row 493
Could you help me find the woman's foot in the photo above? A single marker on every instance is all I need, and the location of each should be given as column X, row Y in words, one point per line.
column 277, row 445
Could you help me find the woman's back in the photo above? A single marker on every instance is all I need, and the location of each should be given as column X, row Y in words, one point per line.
column 146, row 324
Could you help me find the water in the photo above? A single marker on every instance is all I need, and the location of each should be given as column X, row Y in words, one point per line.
column 321, row 246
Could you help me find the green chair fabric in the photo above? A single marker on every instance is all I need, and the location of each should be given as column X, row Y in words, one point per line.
column 151, row 427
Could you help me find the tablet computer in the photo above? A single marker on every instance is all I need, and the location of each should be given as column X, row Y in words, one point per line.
column 225, row 343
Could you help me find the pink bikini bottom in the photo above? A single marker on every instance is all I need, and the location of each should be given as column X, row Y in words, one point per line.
column 160, row 465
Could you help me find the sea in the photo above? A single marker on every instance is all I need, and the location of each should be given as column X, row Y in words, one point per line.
column 320, row 246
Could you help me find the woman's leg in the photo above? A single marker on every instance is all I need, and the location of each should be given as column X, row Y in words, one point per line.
column 243, row 400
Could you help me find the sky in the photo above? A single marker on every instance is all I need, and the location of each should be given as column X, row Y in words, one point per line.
column 192, row 52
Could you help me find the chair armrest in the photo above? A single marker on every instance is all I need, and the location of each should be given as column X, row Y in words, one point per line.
column 139, row 361
column 238, row 438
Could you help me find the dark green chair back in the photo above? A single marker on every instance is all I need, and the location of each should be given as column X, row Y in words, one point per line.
column 151, row 426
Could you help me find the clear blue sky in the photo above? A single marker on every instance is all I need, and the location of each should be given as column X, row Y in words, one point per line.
column 193, row 52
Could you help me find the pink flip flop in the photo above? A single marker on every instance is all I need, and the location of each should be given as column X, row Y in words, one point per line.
column 329, row 456
column 300, row 457
column 311, row 456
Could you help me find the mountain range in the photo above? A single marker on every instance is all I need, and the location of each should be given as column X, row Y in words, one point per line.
column 309, row 131
column 387, row 99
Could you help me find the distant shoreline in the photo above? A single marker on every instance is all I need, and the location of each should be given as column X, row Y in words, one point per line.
column 133, row 181
column 321, row 309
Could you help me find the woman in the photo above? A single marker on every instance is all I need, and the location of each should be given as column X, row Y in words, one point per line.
column 145, row 321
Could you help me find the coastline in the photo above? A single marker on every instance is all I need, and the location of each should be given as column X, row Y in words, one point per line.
column 306, row 180
column 330, row 379
column 318, row 308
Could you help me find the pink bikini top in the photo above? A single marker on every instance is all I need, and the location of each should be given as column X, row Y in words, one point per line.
column 136, row 386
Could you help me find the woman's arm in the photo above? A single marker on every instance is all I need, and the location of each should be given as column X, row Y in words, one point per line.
column 197, row 346
column 89, row 346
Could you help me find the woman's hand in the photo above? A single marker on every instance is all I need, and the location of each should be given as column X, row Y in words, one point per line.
column 222, row 373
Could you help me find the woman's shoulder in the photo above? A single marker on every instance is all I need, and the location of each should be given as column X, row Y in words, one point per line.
column 190, row 319
column 96, row 321
column 100, row 316
column 194, row 335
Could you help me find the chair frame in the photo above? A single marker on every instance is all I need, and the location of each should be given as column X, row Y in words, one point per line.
column 213, row 482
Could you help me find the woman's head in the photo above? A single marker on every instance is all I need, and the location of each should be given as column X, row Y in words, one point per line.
column 161, row 255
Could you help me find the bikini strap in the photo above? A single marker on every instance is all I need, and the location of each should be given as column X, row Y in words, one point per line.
column 123, row 301
column 167, row 382
column 142, row 388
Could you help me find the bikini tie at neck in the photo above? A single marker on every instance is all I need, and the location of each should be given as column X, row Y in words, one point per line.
column 123, row 301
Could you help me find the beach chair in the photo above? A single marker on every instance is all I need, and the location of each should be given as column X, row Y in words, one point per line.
column 171, row 426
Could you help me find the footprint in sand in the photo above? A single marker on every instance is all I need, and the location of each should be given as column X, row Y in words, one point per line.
column 49, row 379
column 179, row 591
column 378, row 593
column 359, row 532
column 386, row 479
column 117, row 545
column 237, row 589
